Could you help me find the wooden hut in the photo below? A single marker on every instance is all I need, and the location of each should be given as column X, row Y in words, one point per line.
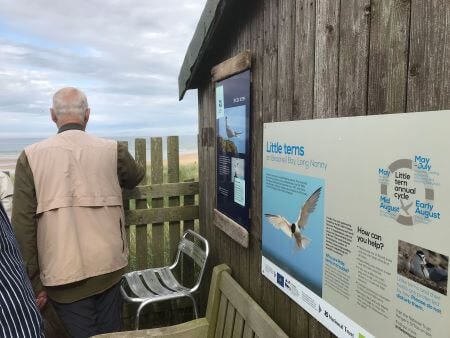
column 310, row 59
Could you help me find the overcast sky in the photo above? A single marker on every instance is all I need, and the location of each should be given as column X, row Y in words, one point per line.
column 125, row 55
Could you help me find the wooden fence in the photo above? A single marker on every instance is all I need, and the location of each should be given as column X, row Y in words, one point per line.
column 160, row 209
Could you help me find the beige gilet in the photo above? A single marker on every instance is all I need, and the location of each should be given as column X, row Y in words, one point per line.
column 80, row 220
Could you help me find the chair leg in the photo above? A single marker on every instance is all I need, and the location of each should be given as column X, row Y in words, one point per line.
column 143, row 304
column 194, row 303
column 138, row 313
column 136, row 323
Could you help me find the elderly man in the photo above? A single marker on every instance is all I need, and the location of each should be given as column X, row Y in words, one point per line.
column 69, row 220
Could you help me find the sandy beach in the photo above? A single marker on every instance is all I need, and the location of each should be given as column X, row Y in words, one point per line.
column 9, row 163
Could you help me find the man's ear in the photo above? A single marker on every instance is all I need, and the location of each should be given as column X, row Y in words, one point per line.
column 53, row 114
column 86, row 115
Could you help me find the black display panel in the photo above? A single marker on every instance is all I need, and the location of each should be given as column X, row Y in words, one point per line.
column 233, row 147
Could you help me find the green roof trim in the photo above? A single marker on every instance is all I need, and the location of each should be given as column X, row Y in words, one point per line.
column 203, row 34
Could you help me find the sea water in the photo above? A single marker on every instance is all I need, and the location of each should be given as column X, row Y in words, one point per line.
column 10, row 148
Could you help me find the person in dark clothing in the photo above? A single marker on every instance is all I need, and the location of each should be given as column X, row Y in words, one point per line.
column 20, row 316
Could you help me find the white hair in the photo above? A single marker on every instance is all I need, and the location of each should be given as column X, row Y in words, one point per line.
column 70, row 101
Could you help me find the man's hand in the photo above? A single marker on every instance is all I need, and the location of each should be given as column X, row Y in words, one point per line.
column 41, row 299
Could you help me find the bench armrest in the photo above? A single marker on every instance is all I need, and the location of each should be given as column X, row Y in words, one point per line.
column 197, row 328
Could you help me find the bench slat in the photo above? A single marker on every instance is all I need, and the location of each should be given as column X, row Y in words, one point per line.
column 248, row 332
column 212, row 309
column 229, row 321
column 253, row 314
column 221, row 317
column 238, row 326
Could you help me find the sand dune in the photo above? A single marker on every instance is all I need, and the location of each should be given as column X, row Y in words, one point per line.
column 187, row 158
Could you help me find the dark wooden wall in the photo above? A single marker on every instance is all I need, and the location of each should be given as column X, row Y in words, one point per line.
column 317, row 59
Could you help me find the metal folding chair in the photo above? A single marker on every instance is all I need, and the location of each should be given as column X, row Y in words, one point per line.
column 159, row 284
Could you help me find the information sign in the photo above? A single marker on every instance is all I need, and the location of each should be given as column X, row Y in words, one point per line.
column 233, row 147
column 356, row 221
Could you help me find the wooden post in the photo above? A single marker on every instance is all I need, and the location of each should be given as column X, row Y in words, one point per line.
column 173, row 170
column 141, row 229
column 188, row 273
column 126, row 206
column 189, row 200
column 156, row 178
column 173, row 175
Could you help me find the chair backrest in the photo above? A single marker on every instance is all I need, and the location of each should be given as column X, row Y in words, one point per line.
column 195, row 247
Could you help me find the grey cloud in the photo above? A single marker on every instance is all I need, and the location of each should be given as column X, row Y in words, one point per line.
column 125, row 54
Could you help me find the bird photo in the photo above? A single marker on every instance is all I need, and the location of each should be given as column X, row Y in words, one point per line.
column 424, row 266
column 230, row 131
column 294, row 230
column 233, row 128
column 293, row 225
column 420, row 267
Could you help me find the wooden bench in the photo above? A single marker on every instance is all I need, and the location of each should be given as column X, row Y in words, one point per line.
column 230, row 312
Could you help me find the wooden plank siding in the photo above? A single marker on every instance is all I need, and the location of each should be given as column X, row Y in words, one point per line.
column 285, row 101
column 303, row 69
column 239, row 254
column 388, row 56
column 316, row 59
column 204, row 226
column 326, row 54
column 303, row 104
column 269, row 104
column 429, row 56
column 353, row 57
column 206, row 166
column 250, row 275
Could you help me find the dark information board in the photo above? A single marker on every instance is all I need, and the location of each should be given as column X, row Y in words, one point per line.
column 233, row 147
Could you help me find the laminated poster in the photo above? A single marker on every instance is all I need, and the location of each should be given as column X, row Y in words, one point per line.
column 356, row 225
column 233, row 147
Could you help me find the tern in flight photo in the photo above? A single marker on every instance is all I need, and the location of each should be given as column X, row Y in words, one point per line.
column 293, row 230
column 231, row 132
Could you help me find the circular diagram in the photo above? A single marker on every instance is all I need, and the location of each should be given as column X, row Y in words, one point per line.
column 403, row 173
